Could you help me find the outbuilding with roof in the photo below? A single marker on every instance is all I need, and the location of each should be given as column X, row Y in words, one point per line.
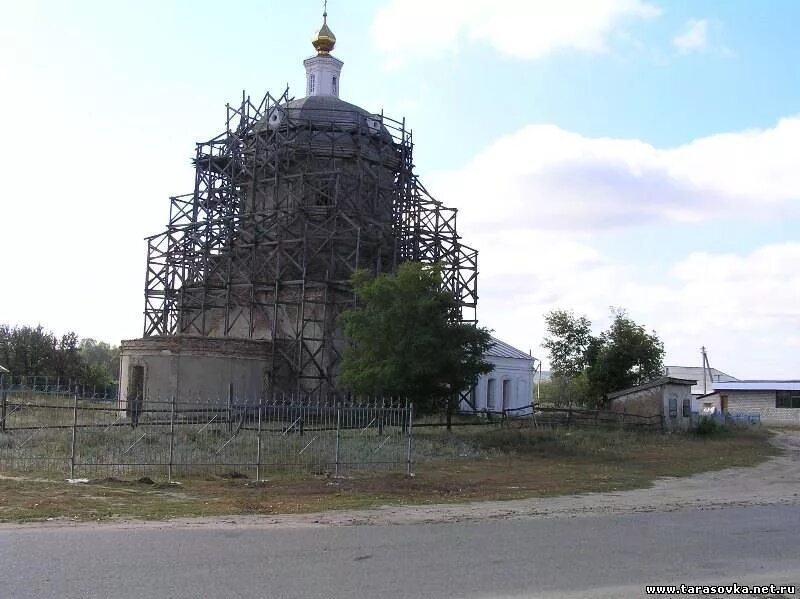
column 777, row 402
column 509, row 386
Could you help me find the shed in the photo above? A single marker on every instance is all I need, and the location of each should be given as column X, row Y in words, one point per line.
column 668, row 397
column 509, row 386
column 776, row 402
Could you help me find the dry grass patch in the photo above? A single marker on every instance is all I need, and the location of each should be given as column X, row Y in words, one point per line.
column 469, row 465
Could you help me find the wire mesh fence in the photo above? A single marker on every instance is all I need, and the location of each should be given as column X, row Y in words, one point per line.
column 89, row 438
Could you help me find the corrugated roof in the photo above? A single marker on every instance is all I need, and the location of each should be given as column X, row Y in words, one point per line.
column 713, row 377
column 501, row 349
column 764, row 385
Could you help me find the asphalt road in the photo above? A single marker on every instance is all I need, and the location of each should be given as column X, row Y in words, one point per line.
column 593, row 556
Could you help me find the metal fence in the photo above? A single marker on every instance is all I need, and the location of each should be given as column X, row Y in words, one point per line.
column 56, row 385
column 91, row 439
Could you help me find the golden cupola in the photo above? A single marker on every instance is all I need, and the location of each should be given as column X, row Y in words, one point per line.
column 324, row 40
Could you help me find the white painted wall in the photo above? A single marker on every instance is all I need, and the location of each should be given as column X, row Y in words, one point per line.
column 518, row 374
column 324, row 72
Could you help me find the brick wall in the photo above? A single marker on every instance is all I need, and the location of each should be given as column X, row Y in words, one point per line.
column 761, row 402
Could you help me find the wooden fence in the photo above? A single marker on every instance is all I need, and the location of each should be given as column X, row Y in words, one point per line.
column 537, row 416
column 582, row 418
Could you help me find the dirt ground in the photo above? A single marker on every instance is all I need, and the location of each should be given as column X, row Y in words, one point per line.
column 776, row 481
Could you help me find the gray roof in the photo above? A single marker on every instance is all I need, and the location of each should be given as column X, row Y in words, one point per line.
column 664, row 380
column 328, row 113
column 763, row 385
column 500, row 349
column 325, row 109
column 713, row 377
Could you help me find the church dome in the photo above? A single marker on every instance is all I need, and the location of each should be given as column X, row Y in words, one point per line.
column 324, row 40
column 325, row 113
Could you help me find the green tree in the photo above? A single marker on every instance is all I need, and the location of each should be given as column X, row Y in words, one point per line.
column 68, row 362
column 405, row 340
column 567, row 342
column 28, row 351
column 33, row 351
column 627, row 356
column 586, row 368
column 102, row 361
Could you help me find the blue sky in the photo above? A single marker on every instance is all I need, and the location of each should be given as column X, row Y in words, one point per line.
column 637, row 153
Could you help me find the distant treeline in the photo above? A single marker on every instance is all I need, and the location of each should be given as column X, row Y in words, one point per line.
column 33, row 351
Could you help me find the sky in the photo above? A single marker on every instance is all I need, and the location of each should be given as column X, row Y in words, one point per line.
column 642, row 154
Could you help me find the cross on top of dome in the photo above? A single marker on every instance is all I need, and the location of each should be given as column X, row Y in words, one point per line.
column 324, row 40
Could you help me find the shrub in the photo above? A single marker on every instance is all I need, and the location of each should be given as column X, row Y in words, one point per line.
column 708, row 427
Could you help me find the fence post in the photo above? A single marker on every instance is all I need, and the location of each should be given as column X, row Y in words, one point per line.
column 258, row 441
column 3, row 402
column 410, row 435
column 171, row 438
column 569, row 416
column 74, row 436
column 230, row 406
column 338, row 426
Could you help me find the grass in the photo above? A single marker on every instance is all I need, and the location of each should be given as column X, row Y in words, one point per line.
column 467, row 465
column 39, row 437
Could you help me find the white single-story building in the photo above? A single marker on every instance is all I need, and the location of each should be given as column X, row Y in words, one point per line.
column 509, row 386
column 667, row 397
column 777, row 402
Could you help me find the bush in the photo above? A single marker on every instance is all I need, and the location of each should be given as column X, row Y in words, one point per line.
column 708, row 427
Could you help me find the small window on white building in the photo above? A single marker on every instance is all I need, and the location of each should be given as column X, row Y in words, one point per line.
column 311, row 84
column 333, row 85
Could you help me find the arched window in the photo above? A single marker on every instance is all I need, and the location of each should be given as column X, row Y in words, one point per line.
column 311, row 84
column 507, row 394
column 333, row 85
column 491, row 392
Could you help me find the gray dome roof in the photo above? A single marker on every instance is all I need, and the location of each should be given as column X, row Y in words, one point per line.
column 326, row 109
column 325, row 112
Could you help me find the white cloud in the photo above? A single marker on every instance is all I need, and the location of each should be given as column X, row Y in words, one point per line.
column 528, row 29
column 694, row 36
column 743, row 307
column 548, row 178
column 533, row 202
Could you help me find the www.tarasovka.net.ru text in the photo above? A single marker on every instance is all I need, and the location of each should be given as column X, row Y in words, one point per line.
column 721, row 589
